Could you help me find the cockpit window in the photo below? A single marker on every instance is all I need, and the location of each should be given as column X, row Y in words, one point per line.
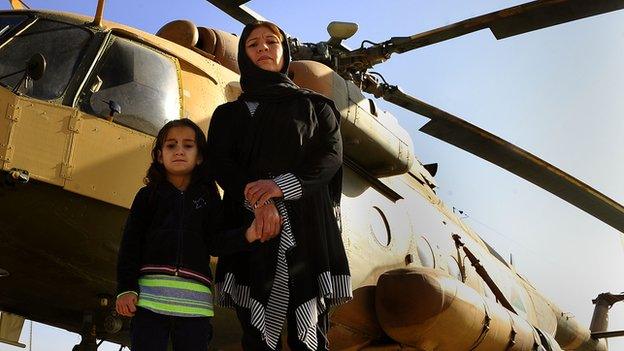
column 139, row 80
column 7, row 23
column 62, row 45
column 496, row 254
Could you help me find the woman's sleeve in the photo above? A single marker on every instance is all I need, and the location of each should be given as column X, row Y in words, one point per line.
column 227, row 172
column 221, row 241
column 129, row 258
column 322, row 161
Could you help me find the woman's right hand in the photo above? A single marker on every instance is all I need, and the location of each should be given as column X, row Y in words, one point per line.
column 126, row 304
column 268, row 221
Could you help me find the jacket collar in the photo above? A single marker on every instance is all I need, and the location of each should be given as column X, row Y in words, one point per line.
column 166, row 189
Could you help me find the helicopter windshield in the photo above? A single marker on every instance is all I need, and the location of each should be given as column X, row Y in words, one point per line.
column 9, row 22
column 138, row 79
column 62, row 45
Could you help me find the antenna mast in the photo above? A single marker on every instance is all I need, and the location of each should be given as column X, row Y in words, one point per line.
column 99, row 13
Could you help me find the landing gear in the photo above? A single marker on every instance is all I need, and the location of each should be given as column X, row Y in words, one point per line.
column 104, row 321
column 88, row 333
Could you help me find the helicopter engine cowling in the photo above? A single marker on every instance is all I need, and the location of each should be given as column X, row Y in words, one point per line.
column 430, row 310
column 354, row 325
column 372, row 138
column 571, row 336
column 220, row 46
column 223, row 45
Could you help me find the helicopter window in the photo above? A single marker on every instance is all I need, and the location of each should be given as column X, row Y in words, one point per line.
column 373, row 107
column 516, row 301
column 61, row 44
column 9, row 22
column 380, row 226
column 496, row 254
column 140, row 81
column 454, row 269
column 425, row 253
column 488, row 292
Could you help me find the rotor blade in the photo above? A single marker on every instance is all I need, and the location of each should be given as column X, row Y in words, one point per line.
column 18, row 5
column 237, row 10
column 511, row 21
column 481, row 143
column 607, row 334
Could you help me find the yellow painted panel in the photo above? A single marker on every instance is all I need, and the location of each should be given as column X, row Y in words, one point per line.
column 198, row 95
column 40, row 139
column 230, row 80
column 7, row 106
column 108, row 161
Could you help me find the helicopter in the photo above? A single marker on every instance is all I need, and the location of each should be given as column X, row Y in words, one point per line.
column 105, row 112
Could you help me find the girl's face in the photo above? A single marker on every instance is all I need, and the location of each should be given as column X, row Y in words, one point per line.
column 179, row 153
column 264, row 48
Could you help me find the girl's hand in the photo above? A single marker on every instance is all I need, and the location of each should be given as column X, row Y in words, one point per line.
column 268, row 222
column 260, row 191
column 252, row 234
column 126, row 304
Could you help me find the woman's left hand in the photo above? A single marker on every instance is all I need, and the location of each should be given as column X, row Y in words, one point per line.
column 260, row 191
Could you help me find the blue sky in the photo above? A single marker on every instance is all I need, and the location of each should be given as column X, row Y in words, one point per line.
column 554, row 92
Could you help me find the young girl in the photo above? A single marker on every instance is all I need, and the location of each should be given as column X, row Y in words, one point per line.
column 163, row 270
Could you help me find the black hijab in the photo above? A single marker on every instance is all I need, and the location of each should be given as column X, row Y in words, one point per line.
column 262, row 85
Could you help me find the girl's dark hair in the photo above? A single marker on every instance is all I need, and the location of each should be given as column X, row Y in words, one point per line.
column 156, row 172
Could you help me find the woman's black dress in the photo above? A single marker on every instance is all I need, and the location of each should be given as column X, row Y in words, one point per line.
column 279, row 131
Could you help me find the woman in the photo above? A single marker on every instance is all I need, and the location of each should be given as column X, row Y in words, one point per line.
column 277, row 154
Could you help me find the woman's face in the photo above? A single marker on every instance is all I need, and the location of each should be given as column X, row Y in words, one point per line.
column 264, row 49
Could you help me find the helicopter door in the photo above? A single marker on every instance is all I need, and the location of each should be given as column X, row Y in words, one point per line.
column 132, row 92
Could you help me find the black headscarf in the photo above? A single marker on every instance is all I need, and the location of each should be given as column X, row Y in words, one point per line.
column 262, row 85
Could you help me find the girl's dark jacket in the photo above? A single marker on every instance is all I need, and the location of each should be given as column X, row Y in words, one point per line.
column 174, row 232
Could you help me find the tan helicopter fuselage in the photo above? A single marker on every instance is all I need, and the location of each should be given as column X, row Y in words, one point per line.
column 85, row 169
